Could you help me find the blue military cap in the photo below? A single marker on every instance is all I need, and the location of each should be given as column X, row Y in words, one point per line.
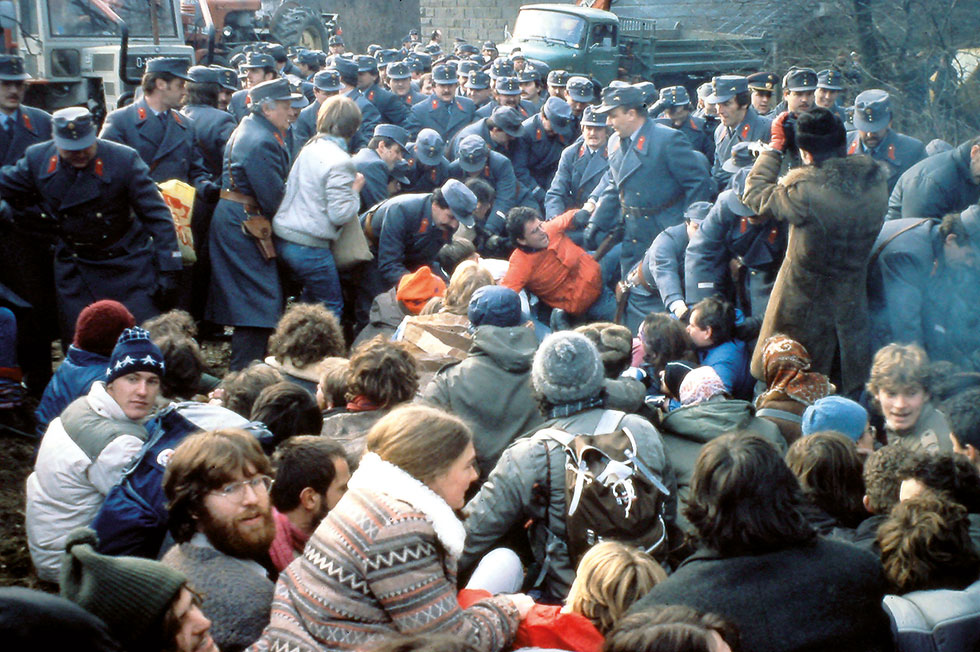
column 501, row 67
column 473, row 153
column 559, row 114
column 327, row 81
column 415, row 64
column 508, row 86
column 628, row 97
column 831, row 79
column 275, row 89
column 725, row 87
column 763, row 81
column 592, row 119
column 394, row 132
column 580, row 89
column 308, row 58
column 872, row 110
column 367, row 64
column 494, row 305
column 649, row 91
column 443, row 74
column 466, row 67
column 675, row 96
column 516, row 53
column 385, row 57
column 204, row 75
column 238, row 59
column 558, row 78
column 12, row 68
column 433, row 49
column 73, row 128
column 467, row 48
column 489, row 45
column 346, row 67
column 258, row 60
column 734, row 199
column 429, row 147
column 508, row 119
column 424, row 59
column 461, row 200
column 374, row 47
column 398, row 70
column 301, row 101
column 453, row 66
column 336, row 39
column 697, row 211
column 170, row 65
column 478, row 80
column 704, row 91
column 227, row 78
column 741, row 157
column 276, row 51
column 529, row 74
column 400, row 172
column 800, row 79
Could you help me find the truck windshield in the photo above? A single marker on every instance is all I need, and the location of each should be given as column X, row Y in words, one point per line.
column 84, row 18
column 550, row 27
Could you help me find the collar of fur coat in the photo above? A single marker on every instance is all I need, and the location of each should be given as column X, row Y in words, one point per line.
column 374, row 474
column 848, row 175
column 310, row 372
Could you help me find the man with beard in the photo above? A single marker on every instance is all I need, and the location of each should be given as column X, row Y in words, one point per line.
column 217, row 487
column 311, row 478
column 873, row 135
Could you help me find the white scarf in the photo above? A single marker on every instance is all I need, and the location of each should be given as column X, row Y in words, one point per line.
column 374, row 474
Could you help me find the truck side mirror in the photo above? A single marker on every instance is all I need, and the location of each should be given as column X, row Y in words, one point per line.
column 8, row 15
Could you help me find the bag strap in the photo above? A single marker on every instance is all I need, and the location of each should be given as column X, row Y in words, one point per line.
column 773, row 413
column 877, row 252
column 609, row 421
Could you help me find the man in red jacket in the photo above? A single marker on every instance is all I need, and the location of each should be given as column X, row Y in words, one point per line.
column 555, row 269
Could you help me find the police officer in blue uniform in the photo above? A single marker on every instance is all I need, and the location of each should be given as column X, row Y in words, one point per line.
column 478, row 88
column 326, row 83
column 476, row 159
column 740, row 123
column 580, row 168
column 727, row 233
column 370, row 116
column 579, row 93
column 257, row 67
column 228, row 84
column 400, row 83
column 245, row 288
column 308, row 63
column 874, row 136
column 940, row 184
column 544, row 136
column 377, row 160
column 427, row 167
column 677, row 113
column 406, row 232
column 653, row 175
column 656, row 283
column 762, row 85
column 500, row 131
column 830, row 87
column 283, row 65
column 444, row 111
column 116, row 238
column 392, row 110
column 507, row 92
column 163, row 137
column 26, row 246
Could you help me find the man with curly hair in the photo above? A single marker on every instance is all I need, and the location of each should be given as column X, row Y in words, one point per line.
column 304, row 336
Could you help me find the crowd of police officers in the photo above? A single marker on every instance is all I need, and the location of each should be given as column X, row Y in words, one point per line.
column 655, row 178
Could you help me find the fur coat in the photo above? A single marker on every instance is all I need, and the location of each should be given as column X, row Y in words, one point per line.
column 835, row 210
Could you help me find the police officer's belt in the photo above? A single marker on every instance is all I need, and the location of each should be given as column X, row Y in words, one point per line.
column 645, row 211
column 641, row 279
column 251, row 206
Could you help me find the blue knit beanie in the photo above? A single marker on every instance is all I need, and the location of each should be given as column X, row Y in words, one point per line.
column 134, row 352
column 835, row 413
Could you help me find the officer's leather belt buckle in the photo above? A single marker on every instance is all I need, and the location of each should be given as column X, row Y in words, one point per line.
column 256, row 225
column 251, row 206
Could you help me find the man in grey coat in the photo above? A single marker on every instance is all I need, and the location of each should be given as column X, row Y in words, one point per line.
column 940, row 184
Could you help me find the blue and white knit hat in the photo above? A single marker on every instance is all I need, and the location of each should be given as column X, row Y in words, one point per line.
column 134, row 351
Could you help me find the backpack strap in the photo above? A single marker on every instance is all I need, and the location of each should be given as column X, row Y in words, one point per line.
column 609, row 421
column 773, row 413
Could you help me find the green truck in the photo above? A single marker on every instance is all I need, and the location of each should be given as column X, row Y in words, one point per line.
column 606, row 46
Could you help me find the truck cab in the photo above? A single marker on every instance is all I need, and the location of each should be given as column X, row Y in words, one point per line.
column 89, row 52
column 577, row 39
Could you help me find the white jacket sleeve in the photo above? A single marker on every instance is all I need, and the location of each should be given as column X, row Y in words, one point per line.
column 339, row 197
column 108, row 467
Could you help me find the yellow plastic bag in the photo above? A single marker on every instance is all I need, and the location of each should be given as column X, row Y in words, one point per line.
column 180, row 200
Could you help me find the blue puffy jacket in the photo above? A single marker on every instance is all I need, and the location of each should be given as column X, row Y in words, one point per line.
column 73, row 378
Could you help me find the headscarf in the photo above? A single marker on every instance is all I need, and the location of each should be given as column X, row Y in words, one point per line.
column 701, row 384
column 785, row 364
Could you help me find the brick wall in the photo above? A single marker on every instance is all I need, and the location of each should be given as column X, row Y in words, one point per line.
column 384, row 22
column 473, row 20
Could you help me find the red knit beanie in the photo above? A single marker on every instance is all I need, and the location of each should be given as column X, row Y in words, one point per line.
column 100, row 324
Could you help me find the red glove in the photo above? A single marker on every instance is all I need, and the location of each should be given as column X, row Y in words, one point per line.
column 777, row 139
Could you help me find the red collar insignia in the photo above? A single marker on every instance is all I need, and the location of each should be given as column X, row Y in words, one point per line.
column 743, row 225
column 27, row 121
column 52, row 164
column 745, row 130
column 854, row 147
column 435, row 104
column 432, row 174
column 486, row 170
column 141, row 112
column 640, row 142
column 891, row 152
column 248, row 99
column 279, row 138
column 772, row 235
column 99, row 168
column 581, row 151
column 694, row 125
column 537, row 135
column 459, row 106
column 176, row 115
column 424, row 226
column 371, row 96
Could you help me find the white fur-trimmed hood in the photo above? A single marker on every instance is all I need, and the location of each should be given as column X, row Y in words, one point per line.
column 374, row 474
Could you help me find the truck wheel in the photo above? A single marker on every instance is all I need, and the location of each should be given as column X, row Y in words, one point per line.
column 295, row 24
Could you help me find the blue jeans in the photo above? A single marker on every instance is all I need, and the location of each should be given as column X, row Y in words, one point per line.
column 314, row 268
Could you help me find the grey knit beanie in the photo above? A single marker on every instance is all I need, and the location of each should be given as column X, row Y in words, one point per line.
column 130, row 595
column 567, row 368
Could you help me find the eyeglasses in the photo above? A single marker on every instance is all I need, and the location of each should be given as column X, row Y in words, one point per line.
column 235, row 491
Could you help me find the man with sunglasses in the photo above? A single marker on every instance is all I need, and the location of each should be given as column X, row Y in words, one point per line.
column 220, row 514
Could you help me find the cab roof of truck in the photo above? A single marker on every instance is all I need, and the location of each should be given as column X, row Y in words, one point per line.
column 584, row 12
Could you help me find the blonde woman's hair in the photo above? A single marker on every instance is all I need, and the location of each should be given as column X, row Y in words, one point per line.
column 422, row 441
column 338, row 116
column 468, row 277
column 609, row 579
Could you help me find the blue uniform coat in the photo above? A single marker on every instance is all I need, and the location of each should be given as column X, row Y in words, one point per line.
column 499, row 173
column 935, row 186
column 407, row 236
column 663, row 271
column 696, row 132
column 753, row 127
column 211, row 128
column 536, row 156
column 898, row 151
column 579, row 172
column 376, row 175
column 446, row 118
column 424, row 178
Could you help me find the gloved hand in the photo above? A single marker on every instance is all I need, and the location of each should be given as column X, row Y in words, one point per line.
column 496, row 244
column 165, row 294
column 581, row 219
column 589, row 236
column 777, row 138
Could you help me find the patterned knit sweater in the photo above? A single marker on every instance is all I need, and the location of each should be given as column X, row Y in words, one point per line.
column 375, row 566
